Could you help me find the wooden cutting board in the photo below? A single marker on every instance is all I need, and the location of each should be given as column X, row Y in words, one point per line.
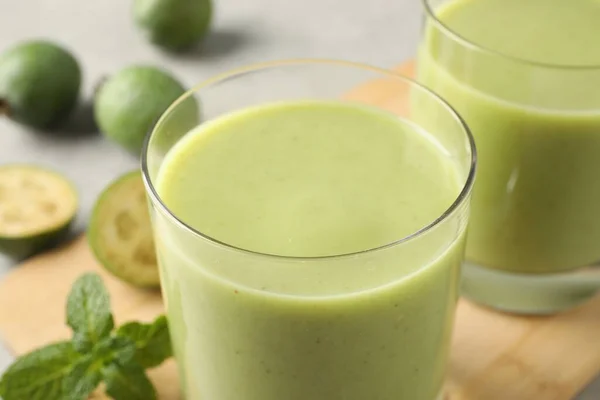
column 494, row 356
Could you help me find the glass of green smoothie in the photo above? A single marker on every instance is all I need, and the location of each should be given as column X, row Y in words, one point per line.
column 310, row 233
column 525, row 75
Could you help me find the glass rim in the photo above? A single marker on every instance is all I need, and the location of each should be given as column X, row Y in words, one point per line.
column 233, row 73
column 468, row 43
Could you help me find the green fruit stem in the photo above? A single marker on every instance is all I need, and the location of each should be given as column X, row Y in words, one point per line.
column 4, row 107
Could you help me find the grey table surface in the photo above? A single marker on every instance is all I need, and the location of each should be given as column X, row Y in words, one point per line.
column 101, row 33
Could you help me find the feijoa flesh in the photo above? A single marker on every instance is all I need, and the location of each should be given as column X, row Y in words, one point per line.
column 37, row 207
column 120, row 234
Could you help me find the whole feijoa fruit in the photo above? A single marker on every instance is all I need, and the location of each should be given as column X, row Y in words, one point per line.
column 39, row 83
column 129, row 103
column 175, row 25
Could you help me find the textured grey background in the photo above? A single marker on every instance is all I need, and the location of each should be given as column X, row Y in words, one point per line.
column 379, row 32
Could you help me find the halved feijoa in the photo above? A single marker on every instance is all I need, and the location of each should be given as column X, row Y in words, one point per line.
column 120, row 234
column 37, row 207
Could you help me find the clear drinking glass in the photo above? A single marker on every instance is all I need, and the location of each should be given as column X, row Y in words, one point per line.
column 534, row 234
column 252, row 326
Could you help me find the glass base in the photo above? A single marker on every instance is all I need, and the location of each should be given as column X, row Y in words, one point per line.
column 533, row 294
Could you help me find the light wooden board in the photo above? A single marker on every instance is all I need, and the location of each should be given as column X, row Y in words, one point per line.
column 494, row 356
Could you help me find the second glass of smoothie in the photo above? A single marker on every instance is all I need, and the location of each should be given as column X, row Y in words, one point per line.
column 310, row 233
column 525, row 76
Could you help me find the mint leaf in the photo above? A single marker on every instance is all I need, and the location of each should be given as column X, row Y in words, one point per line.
column 88, row 312
column 152, row 341
column 72, row 370
column 84, row 377
column 128, row 383
column 39, row 374
column 115, row 349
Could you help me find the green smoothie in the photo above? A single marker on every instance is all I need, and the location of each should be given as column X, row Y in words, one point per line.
column 536, row 202
column 303, row 182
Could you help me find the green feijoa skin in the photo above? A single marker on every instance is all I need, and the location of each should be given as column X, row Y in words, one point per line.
column 129, row 103
column 174, row 25
column 39, row 83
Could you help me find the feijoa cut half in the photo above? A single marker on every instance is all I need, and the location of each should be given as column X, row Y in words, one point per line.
column 37, row 208
column 120, row 234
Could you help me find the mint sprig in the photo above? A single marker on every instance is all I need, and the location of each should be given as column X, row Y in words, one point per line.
column 72, row 370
